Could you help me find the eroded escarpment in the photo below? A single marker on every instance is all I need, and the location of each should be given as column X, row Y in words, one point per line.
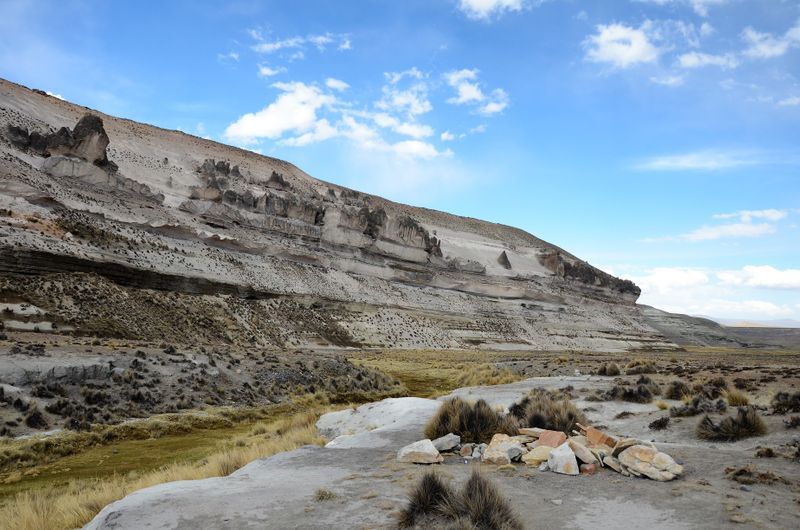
column 92, row 200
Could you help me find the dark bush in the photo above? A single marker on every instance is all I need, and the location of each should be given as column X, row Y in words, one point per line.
column 474, row 423
column 547, row 410
column 677, row 390
column 747, row 423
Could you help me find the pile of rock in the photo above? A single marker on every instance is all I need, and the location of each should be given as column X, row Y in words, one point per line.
column 584, row 453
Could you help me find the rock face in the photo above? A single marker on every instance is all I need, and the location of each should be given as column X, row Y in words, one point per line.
column 154, row 209
column 421, row 452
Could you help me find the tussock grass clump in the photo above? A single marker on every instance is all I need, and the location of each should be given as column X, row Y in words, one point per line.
column 698, row 405
column 433, row 503
column 651, row 385
column 486, row 374
column 662, row 405
column 677, row 390
column 747, row 423
column 784, row 402
column 547, row 410
column 474, row 423
column 610, row 369
column 638, row 394
column 659, row 424
column 735, row 398
column 322, row 495
column 640, row 366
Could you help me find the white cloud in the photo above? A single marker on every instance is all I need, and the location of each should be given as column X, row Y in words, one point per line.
column 395, row 77
column 267, row 71
column 485, row 9
column 57, row 96
column 697, row 291
column 763, row 276
column 412, row 100
column 299, row 43
column 665, row 279
column 230, row 56
column 732, row 230
column 706, row 29
column 469, row 92
column 698, row 60
column 708, row 160
column 414, row 130
column 447, row 136
column 295, row 110
column 747, row 216
column 668, row 80
column 336, row 84
column 621, row 46
column 498, row 101
column 765, row 45
column 790, row 102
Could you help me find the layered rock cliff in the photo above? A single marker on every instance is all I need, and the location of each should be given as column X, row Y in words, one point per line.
column 123, row 229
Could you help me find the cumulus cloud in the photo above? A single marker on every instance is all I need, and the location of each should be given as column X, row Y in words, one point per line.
column 469, row 92
column 295, row 110
column 486, row 9
column 447, row 136
column 621, row 46
column 764, row 276
column 696, row 291
column 668, row 80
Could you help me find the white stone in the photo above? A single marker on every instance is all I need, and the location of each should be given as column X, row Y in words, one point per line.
column 562, row 460
column 421, row 452
column 448, row 442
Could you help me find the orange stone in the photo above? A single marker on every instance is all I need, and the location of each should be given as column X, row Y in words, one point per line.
column 551, row 438
column 588, row 469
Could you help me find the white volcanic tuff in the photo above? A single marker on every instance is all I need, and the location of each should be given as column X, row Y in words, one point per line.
column 254, row 221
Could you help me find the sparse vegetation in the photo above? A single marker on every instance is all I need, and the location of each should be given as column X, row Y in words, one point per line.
column 784, row 402
column 609, row 369
column 659, row 424
column 698, row 405
column 433, row 503
column 677, row 390
column 473, row 422
column 747, row 423
column 735, row 398
column 322, row 495
column 640, row 366
column 548, row 410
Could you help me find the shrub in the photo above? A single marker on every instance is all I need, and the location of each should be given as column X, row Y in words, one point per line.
column 662, row 405
column 735, row 398
column 659, row 424
column 783, row 402
column 651, row 385
column 697, row 405
column 745, row 424
column 639, row 394
column 322, row 495
column 474, row 423
column 677, row 390
column 547, row 410
column 433, row 503
column 610, row 369
column 640, row 366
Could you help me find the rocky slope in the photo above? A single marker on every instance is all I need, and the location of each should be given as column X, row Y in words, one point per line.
column 114, row 228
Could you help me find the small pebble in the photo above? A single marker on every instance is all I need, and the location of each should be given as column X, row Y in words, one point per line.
column 557, row 502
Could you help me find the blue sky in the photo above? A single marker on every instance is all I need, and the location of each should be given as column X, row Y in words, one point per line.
column 657, row 139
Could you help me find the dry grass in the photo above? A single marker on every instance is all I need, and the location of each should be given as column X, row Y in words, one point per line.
column 73, row 505
column 661, row 404
column 434, row 504
column 784, row 402
column 640, row 366
column 547, row 410
column 747, row 423
column 609, row 369
column 473, row 422
column 432, row 373
column 735, row 398
column 677, row 390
